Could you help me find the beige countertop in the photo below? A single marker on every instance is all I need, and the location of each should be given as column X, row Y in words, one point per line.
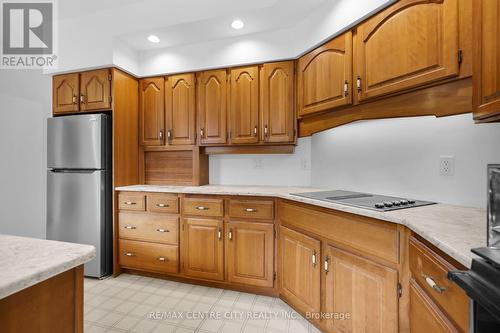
column 453, row 229
column 29, row 261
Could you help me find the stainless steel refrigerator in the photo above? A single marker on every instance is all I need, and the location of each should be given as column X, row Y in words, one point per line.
column 79, row 205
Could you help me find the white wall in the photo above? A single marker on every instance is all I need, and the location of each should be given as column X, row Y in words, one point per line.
column 281, row 170
column 401, row 157
column 24, row 107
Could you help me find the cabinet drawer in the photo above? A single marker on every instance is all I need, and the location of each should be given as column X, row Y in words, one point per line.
column 149, row 227
column 149, row 256
column 203, row 207
column 430, row 271
column 162, row 203
column 132, row 201
column 251, row 209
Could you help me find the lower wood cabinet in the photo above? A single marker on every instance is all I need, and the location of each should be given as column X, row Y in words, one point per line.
column 300, row 270
column 363, row 293
column 149, row 256
column 250, row 253
column 203, row 248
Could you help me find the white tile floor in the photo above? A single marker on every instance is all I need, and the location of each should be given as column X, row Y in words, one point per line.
column 136, row 304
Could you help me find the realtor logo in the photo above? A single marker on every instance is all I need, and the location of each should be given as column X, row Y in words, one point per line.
column 28, row 34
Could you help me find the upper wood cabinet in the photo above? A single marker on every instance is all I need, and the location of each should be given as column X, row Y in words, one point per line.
column 277, row 81
column 250, row 253
column 65, row 93
column 409, row 44
column 212, row 106
column 244, row 105
column 152, row 111
column 486, row 65
column 180, row 107
column 365, row 290
column 95, row 90
column 203, row 248
column 300, row 270
column 324, row 76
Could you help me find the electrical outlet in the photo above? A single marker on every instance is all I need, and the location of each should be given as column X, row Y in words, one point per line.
column 257, row 163
column 446, row 165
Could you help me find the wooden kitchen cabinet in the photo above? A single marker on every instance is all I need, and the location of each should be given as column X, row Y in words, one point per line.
column 180, row 108
column 212, row 106
column 65, row 93
column 244, row 105
column 300, row 270
column 152, row 111
column 325, row 76
column 95, row 90
column 486, row 60
column 365, row 290
column 409, row 44
column 277, row 97
column 203, row 248
column 250, row 253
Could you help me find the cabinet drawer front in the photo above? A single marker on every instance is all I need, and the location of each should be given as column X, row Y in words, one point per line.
column 132, row 201
column 430, row 271
column 149, row 227
column 149, row 256
column 163, row 203
column 252, row 209
column 372, row 237
column 203, row 207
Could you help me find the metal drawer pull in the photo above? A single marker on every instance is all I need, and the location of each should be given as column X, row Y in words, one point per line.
column 433, row 284
column 255, row 131
column 162, row 230
column 326, row 264
column 219, row 234
column 130, row 227
column 314, row 259
column 162, row 259
column 129, row 254
column 230, row 234
column 346, row 88
column 130, row 203
column 358, row 83
column 250, row 210
column 202, row 208
column 162, row 205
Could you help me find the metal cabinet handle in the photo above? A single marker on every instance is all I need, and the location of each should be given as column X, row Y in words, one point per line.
column 130, row 227
column 430, row 281
column 250, row 210
column 162, row 205
column 346, row 88
column 162, row 230
column 130, row 203
column 75, row 99
column 129, row 254
column 169, row 134
column 202, row 208
column 162, row 259
column 202, row 132
column 230, row 235
column 255, row 131
column 313, row 259
column 82, row 99
column 161, row 135
column 266, row 131
column 326, row 264
column 358, row 83
column 219, row 234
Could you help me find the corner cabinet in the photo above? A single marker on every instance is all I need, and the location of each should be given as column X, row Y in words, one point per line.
column 212, row 106
column 409, row 44
column 180, row 108
column 244, row 105
column 277, row 97
column 365, row 290
column 152, row 111
column 486, row 66
column 324, row 76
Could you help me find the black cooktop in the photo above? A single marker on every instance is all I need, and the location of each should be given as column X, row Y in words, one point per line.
column 376, row 202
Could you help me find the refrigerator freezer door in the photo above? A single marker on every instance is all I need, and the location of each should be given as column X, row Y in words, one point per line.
column 76, row 212
column 76, row 142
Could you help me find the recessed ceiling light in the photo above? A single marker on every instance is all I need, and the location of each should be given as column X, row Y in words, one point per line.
column 153, row 39
column 237, row 24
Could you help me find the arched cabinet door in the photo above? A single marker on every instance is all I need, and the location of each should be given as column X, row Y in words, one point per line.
column 212, row 107
column 410, row 44
column 95, row 90
column 65, row 93
column 180, row 101
column 244, row 105
column 152, row 111
column 325, row 75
